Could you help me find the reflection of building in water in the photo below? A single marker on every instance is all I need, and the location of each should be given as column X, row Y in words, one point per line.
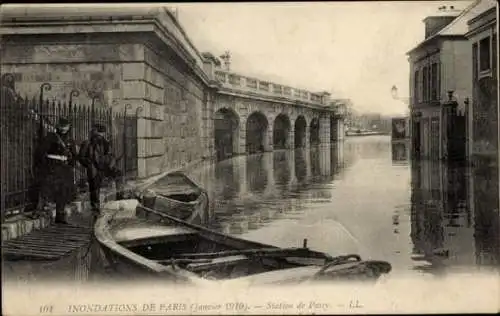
column 227, row 184
column 257, row 173
column 485, row 202
column 281, row 168
column 400, row 151
column 443, row 228
column 273, row 192
column 302, row 165
column 337, row 157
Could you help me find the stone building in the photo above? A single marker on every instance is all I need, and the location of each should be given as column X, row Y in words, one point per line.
column 139, row 59
column 125, row 55
column 440, row 69
column 483, row 106
column 483, row 130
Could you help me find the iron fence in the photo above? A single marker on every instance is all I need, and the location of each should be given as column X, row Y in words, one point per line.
column 25, row 121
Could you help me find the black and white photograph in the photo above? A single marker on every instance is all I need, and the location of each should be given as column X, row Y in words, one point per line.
column 229, row 158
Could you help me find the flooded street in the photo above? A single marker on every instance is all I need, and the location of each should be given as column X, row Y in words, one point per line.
column 355, row 197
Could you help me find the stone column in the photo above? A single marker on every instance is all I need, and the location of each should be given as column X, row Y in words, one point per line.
column 242, row 139
column 208, row 125
column 340, row 129
column 291, row 138
column 291, row 167
column 334, row 129
column 324, row 129
column 268, row 163
column 268, row 138
column 307, row 137
column 325, row 159
column 242, row 173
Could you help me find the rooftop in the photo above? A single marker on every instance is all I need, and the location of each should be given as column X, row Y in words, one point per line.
column 459, row 27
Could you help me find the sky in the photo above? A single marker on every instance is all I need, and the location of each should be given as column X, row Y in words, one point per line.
column 351, row 49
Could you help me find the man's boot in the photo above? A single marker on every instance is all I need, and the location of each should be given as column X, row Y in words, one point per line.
column 119, row 195
column 60, row 215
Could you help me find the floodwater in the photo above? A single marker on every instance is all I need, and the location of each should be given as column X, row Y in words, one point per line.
column 360, row 196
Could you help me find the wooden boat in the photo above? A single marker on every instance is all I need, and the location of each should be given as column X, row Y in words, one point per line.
column 179, row 196
column 139, row 241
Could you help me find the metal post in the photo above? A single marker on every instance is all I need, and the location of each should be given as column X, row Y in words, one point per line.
column 92, row 109
column 73, row 93
column 125, row 119
column 44, row 87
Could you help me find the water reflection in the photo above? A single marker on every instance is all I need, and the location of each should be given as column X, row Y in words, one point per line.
column 400, row 152
column 454, row 216
column 361, row 196
column 249, row 192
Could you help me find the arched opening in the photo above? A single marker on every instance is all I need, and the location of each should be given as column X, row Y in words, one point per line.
column 226, row 127
column 281, row 129
column 256, row 133
column 314, row 132
column 333, row 129
column 300, row 132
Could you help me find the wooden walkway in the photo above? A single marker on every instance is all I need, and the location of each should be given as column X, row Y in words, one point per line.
column 51, row 243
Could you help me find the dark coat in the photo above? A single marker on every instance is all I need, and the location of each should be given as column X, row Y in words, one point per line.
column 57, row 178
column 97, row 157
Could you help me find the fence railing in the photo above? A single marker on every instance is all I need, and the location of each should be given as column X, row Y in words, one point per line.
column 25, row 121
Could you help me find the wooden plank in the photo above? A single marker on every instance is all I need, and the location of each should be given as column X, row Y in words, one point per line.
column 34, row 239
column 20, row 244
column 285, row 252
column 29, row 253
column 45, row 235
column 64, row 232
column 219, row 262
column 34, row 247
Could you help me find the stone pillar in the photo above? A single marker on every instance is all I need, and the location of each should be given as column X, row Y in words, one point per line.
column 268, row 138
column 208, row 125
column 269, row 169
column 242, row 139
column 241, row 164
column 340, row 129
column 307, row 137
column 325, row 161
column 291, row 167
column 291, row 138
column 324, row 129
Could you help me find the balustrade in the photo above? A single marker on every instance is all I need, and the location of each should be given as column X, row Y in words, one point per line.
column 233, row 80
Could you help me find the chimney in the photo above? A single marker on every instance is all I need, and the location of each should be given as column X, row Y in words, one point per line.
column 440, row 20
column 226, row 57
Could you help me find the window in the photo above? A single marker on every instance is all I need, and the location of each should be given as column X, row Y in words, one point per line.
column 485, row 54
column 425, row 79
column 434, row 82
column 415, row 87
column 474, row 61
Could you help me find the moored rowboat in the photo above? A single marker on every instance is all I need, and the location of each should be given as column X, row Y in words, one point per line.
column 179, row 196
column 140, row 241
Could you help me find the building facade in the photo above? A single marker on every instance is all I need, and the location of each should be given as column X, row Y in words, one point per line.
column 483, row 128
column 439, row 87
column 483, row 106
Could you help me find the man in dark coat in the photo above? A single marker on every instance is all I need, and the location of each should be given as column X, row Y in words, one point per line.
column 58, row 157
column 97, row 157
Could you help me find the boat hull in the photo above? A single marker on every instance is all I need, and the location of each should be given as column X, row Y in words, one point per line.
column 183, row 199
column 184, row 253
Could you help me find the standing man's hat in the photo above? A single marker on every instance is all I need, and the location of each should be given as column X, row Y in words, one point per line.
column 99, row 128
column 63, row 122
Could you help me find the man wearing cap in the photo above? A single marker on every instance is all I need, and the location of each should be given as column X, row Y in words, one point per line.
column 58, row 157
column 97, row 157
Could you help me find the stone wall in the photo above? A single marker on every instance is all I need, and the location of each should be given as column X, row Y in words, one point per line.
column 86, row 67
column 179, row 133
column 167, row 97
